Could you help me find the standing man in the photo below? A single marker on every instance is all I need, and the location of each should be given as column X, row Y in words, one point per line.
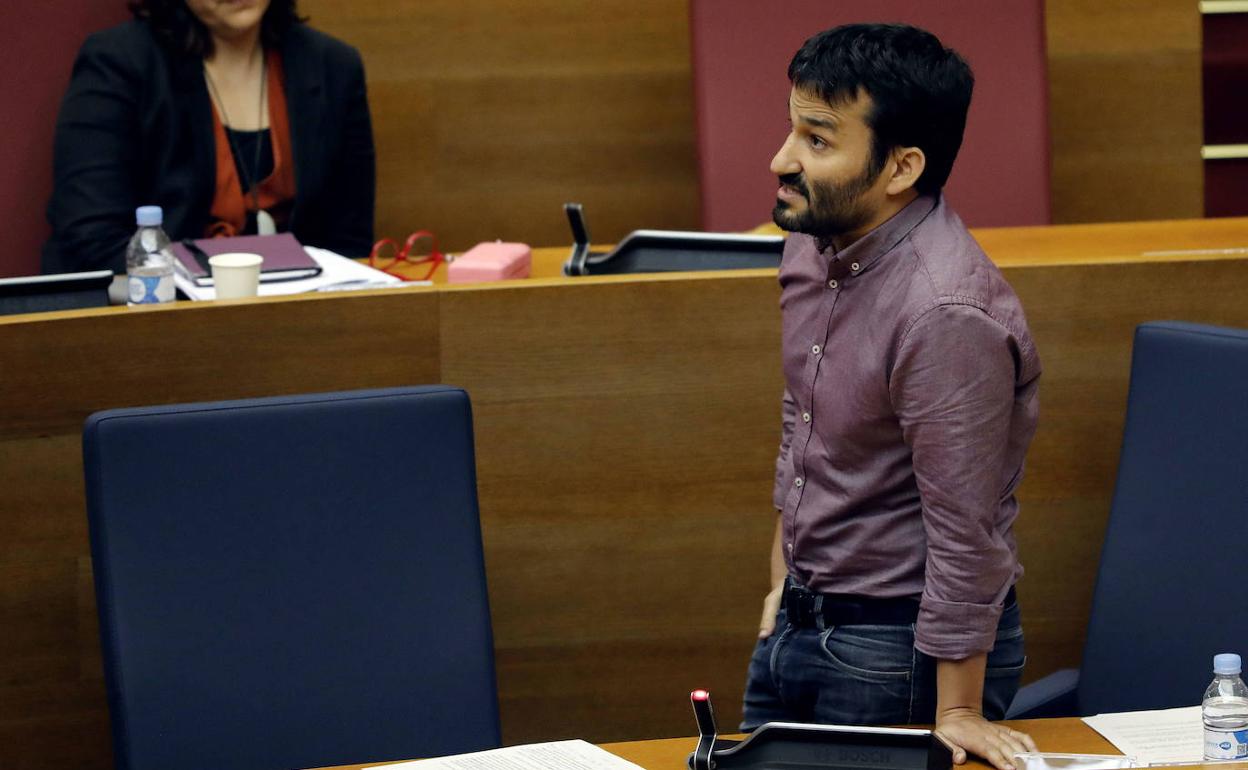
column 910, row 402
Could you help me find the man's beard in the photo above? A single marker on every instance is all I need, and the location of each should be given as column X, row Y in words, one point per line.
column 834, row 210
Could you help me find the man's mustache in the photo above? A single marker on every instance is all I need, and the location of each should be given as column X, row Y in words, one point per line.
column 795, row 181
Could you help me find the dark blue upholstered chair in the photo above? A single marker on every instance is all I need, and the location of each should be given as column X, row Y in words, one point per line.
column 1173, row 559
column 291, row 582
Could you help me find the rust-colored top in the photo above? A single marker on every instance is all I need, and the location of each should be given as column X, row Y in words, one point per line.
column 276, row 193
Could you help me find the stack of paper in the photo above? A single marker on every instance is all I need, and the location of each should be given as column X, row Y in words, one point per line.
column 1165, row 737
column 560, row 755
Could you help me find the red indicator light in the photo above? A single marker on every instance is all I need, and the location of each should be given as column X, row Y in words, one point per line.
column 700, row 695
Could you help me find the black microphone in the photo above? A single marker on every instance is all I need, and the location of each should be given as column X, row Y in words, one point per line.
column 701, row 757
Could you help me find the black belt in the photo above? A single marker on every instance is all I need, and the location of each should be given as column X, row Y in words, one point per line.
column 806, row 609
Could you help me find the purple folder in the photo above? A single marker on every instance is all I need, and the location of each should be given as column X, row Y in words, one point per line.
column 284, row 257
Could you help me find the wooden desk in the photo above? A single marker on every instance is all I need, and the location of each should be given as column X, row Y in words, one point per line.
column 623, row 425
column 1051, row 735
column 1053, row 245
column 1189, row 240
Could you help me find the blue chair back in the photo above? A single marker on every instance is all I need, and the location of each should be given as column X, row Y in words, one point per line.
column 291, row 582
column 1171, row 569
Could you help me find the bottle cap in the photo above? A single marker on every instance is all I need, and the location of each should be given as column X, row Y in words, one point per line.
column 149, row 216
column 1226, row 663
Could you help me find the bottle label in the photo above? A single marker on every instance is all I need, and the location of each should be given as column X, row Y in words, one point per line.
column 1225, row 744
column 150, row 289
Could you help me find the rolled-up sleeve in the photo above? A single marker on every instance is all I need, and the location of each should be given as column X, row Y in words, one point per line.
column 952, row 387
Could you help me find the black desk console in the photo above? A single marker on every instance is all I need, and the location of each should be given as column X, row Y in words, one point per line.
column 785, row 746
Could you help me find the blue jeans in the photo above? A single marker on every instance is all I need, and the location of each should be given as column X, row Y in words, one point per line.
column 865, row 675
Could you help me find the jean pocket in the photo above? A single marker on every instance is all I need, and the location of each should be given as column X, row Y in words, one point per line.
column 1008, row 655
column 998, row 672
column 878, row 654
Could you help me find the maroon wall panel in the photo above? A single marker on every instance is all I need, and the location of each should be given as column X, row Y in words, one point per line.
column 1226, row 188
column 38, row 42
column 741, row 50
column 1225, row 77
column 1225, row 91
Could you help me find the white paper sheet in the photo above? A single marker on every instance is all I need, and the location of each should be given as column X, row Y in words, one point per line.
column 1168, row 736
column 335, row 269
column 1043, row 760
column 559, row 755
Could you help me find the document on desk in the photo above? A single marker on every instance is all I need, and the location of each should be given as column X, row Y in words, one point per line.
column 336, row 270
column 558, row 755
column 1163, row 737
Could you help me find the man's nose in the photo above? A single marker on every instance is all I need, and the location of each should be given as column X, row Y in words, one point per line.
column 783, row 162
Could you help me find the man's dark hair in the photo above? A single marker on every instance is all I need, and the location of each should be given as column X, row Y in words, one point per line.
column 920, row 90
column 182, row 31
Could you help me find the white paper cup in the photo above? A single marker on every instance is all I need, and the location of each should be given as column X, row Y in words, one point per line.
column 236, row 274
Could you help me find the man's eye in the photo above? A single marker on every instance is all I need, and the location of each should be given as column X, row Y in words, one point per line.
column 817, row 142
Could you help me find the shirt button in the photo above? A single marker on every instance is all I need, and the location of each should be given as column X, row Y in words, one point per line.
column 832, row 284
column 805, row 416
column 790, row 548
column 797, row 482
column 815, row 349
column 854, row 266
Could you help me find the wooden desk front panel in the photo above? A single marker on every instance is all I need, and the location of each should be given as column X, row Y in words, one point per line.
column 625, row 434
column 57, row 370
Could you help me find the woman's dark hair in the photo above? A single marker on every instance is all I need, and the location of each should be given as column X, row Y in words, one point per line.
column 182, row 31
column 920, row 91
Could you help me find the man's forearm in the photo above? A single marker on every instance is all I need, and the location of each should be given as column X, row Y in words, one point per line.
column 771, row 603
column 779, row 570
column 960, row 719
column 960, row 685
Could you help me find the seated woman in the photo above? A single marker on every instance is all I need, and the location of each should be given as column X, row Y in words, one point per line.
column 233, row 115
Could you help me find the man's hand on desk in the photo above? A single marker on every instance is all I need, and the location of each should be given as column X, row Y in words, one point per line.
column 966, row 730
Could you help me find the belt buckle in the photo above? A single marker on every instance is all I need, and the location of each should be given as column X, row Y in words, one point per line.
column 794, row 606
column 804, row 607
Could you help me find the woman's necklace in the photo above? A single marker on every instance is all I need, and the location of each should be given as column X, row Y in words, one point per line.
column 250, row 177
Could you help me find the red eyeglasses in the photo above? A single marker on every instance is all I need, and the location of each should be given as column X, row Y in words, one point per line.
column 420, row 248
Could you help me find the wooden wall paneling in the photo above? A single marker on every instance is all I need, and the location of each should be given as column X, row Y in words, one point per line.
column 489, row 115
column 57, row 371
column 1124, row 109
column 625, row 456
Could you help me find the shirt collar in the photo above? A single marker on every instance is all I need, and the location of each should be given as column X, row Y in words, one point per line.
column 868, row 249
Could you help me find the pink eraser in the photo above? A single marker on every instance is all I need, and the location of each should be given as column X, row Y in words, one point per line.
column 491, row 261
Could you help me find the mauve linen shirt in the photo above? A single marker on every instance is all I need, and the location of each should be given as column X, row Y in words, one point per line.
column 910, row 400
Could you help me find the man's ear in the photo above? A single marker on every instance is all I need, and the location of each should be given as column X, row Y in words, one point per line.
column 909, row 163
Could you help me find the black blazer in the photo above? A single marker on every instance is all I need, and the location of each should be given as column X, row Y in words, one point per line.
column 135, row 128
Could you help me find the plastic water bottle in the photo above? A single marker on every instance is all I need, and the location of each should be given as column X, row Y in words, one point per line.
column 149, row 261
column 1225, row 711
